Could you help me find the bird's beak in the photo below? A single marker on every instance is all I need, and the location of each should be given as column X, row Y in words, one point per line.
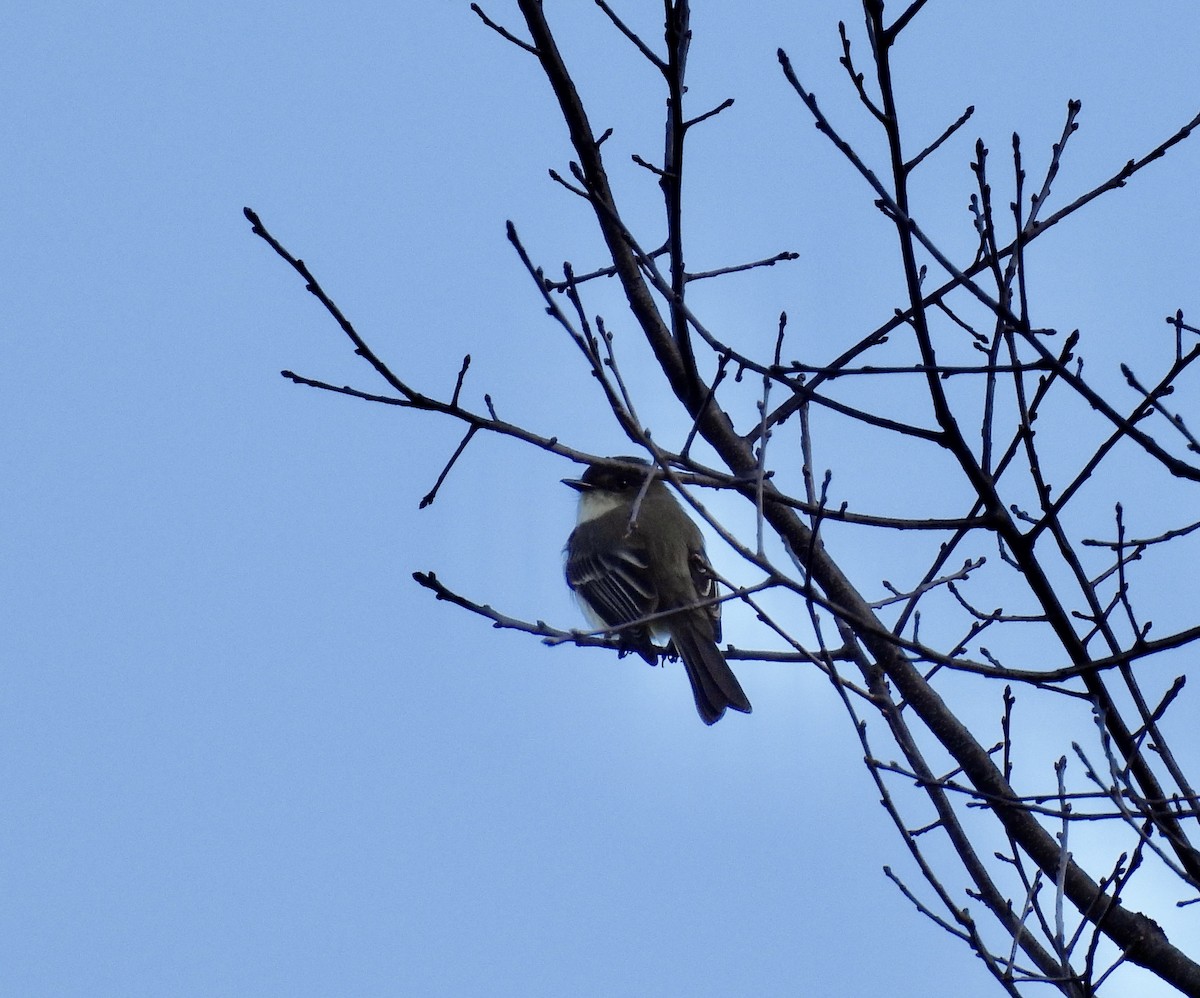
column 578, row 484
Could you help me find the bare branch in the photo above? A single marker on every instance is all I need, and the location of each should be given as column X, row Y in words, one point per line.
column 633, row 37
column 903, row 20
column 503, row 32
column 785, row 256
column 916, row 161
column 726, row 103
column 432, row 493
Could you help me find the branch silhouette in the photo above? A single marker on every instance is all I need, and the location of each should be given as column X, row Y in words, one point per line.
column 1004, row 572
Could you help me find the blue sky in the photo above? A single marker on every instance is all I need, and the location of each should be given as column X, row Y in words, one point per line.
column 242, row 752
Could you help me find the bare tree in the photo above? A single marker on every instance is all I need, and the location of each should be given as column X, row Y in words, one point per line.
column 1013, row 599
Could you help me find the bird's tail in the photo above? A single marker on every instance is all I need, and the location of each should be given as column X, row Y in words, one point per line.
column 714, row 685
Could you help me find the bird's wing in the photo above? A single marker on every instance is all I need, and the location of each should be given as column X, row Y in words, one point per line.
column 705, row 582
column 614, row 584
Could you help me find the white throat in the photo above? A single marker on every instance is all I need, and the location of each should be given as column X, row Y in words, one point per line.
column 594, row 504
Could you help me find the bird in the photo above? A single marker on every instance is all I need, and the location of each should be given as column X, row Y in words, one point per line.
column 634, row 553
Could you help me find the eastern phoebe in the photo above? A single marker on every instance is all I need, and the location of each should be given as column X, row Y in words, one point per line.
column 623, row 570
